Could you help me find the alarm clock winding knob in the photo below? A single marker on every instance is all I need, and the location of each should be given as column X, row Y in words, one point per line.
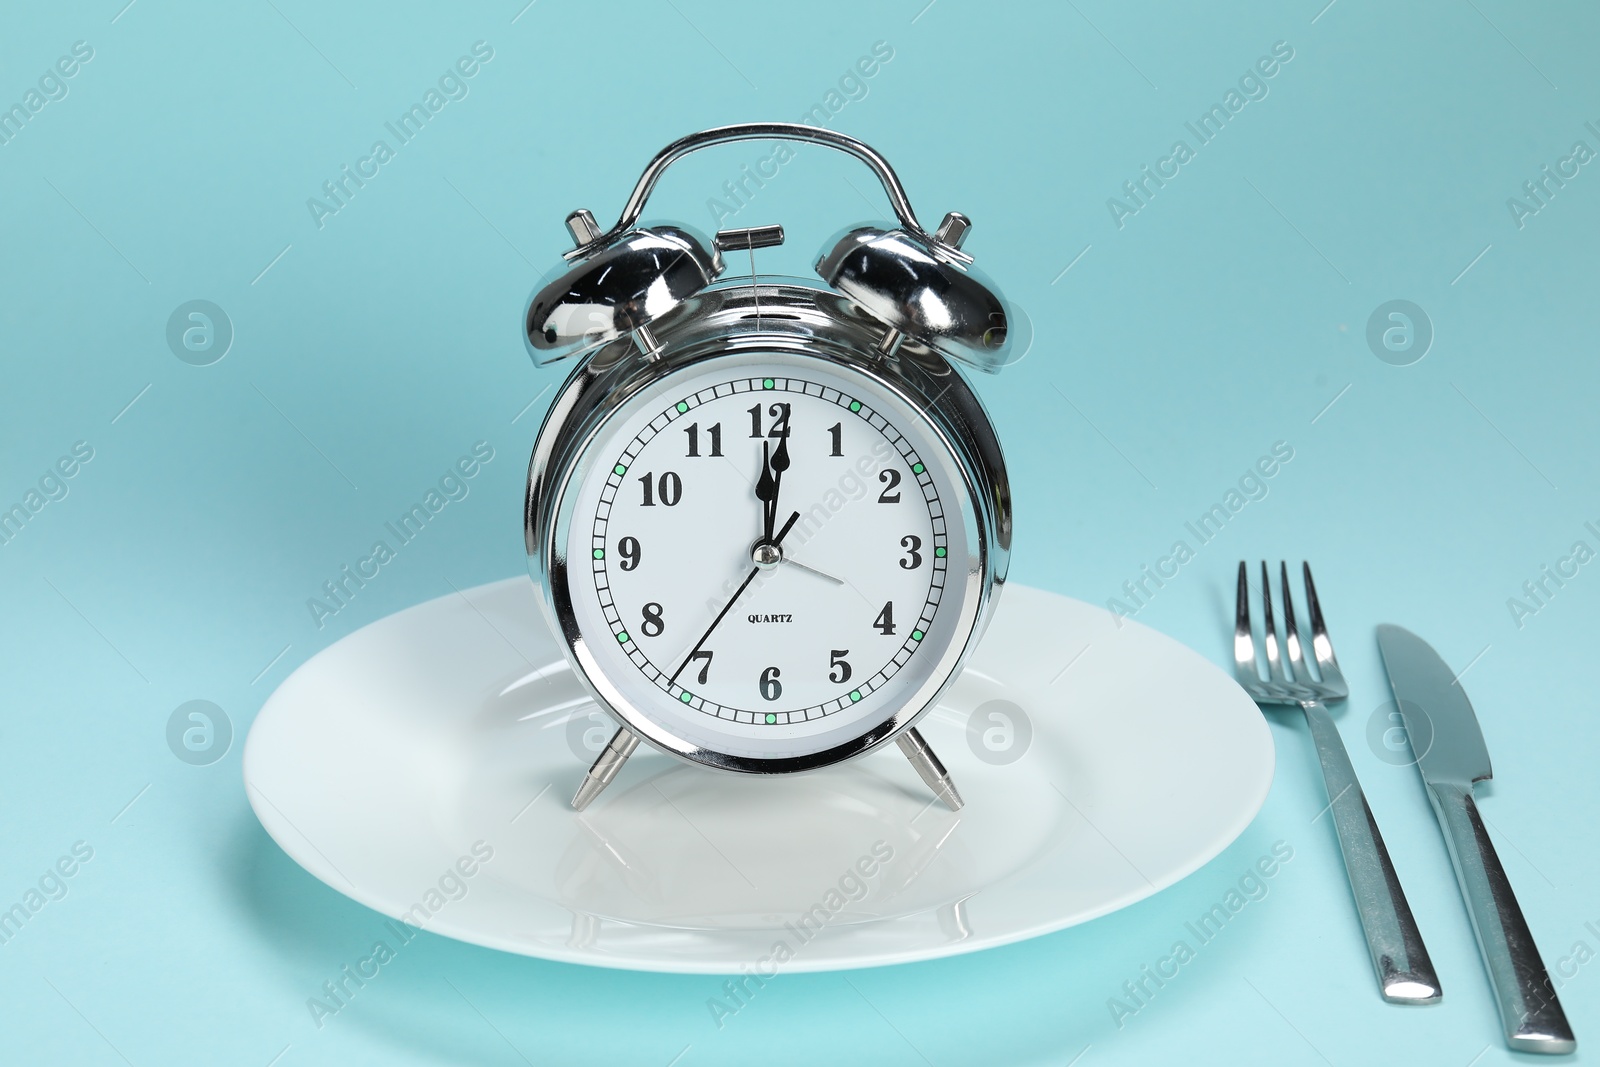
column 952, row 229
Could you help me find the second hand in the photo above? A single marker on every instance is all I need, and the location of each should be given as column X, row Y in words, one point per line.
column 777, row 542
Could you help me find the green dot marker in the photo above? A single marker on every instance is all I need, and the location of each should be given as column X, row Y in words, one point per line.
column 771, row 718
column 855, row 405
column 682, row 407
column 620, row 469
column 917, row 468
column 599, row 553
column 767, row 383
column 686, row 696
column 916, row 635
column 855, row 694
column 939, row 552
column 622, row 638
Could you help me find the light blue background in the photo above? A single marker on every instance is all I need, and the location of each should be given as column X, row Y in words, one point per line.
column 1227, row 315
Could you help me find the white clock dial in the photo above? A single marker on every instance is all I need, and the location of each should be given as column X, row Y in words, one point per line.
column 766, row 557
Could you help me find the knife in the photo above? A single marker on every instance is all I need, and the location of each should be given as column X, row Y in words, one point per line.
column 1439, row 719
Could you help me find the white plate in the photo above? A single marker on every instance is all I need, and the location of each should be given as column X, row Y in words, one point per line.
column 385, row 759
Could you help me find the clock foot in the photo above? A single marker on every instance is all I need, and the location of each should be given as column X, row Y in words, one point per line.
column 929, row 767
column 605, row 768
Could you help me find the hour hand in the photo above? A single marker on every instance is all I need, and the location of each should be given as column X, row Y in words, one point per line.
column 767, row 492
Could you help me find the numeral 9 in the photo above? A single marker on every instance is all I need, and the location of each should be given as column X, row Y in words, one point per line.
column 628, row 548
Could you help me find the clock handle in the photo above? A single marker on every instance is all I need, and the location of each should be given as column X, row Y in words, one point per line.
column 767, row 131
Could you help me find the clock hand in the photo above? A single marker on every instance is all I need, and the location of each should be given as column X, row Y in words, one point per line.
column 767, row 493
column 779, row 464
column 813, row 570
column 715, row 622
column 775, row 543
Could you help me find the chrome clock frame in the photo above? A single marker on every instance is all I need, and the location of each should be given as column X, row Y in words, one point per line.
column 899, row 307
column 771, row 315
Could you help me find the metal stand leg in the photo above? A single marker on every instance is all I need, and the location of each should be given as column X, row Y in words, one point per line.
column 605, row 768
column 929, row 767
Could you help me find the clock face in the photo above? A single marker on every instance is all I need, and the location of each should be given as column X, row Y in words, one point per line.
column 769, row 556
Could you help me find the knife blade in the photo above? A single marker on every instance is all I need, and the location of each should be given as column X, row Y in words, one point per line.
column 1451, row 755
column 1435, row 710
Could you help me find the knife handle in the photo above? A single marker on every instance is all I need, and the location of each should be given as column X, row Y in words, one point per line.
column 1529, row 1008
column 1405, row 972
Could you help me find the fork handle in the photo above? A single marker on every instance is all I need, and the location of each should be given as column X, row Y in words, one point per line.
column 1405, row 972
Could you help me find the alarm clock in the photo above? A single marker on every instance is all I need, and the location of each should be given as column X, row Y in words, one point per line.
column 769, row 516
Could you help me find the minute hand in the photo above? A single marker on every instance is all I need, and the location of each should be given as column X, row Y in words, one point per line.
column 779, row 464
column 776, row 542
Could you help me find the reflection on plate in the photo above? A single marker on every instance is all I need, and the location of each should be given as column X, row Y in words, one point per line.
column 423, row 765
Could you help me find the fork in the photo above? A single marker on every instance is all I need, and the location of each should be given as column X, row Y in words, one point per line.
column 1405, row 972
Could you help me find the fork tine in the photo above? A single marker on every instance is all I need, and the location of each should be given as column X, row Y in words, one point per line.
column 1269, row 629
column 1291, row 629
column 1321, row 643
column 1244, row 646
